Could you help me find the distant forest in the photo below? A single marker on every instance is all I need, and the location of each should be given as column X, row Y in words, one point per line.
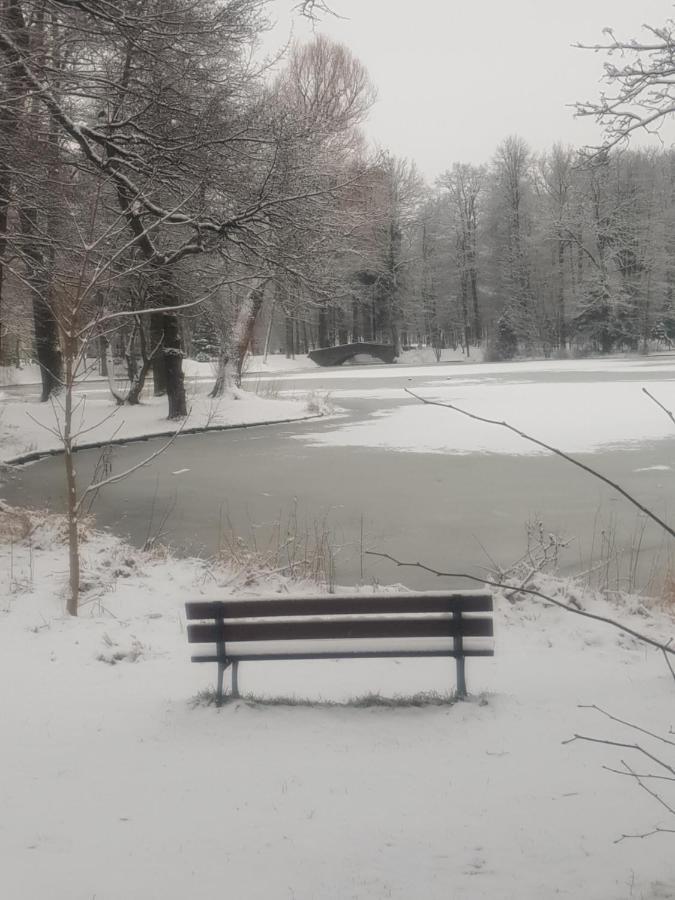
column 164, row 192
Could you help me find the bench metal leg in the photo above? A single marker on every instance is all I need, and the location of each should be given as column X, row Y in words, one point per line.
column 461, row 678
column 458, row 647
column 235, row 680
column 219, row 692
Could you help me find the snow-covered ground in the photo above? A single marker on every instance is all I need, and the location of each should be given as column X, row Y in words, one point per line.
column 27, row 425
column 113, row 784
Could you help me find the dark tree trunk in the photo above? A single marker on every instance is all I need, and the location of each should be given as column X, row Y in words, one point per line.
column 44, row 321
column 395, row 338
column 165, row 334
column 12, row 16
column 342, row 331
column 47, row 347
column 368, row 318
column 464, row 292
column 103, row 356
column 147, row 358
column 173, row 363
column 3, row 244
column 323, row 326
column 356, row 321
column 158, row 366
column 290, row 344
column 560, row 312
column 475, row 308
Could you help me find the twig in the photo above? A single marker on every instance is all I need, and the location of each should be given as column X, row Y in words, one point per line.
column 666, row 648
column 642, row 774
column 533, row 440
column 624, row 746
column 627, row 724
column 668, row 662
column 644, row 787
column 144, row 462
column 660, row 405
column 647, row 834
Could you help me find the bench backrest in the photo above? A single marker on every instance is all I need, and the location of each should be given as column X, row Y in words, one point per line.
column 432, row 614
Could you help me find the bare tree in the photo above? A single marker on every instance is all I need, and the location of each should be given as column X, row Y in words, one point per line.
column 641, row 92
column 464, row 185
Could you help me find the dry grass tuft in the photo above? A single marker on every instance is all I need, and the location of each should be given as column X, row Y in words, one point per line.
column 207, row 697
column 666, row 599
column 15, row 524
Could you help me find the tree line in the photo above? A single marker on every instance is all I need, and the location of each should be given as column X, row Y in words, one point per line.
column 164, row 188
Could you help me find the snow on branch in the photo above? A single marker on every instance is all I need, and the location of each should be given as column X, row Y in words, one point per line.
column 643, row 85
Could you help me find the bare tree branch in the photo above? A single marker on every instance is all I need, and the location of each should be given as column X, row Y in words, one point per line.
column 660, row 645
column 659, row 404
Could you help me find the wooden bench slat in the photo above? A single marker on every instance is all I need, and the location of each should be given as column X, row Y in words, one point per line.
column 355, row 604
column 345, row 654
column 270, row 630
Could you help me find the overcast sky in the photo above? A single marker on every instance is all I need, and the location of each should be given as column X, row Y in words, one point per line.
column 455, row 78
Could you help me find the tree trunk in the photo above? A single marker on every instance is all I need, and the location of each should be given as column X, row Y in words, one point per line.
column 10, row 112
column 103, row 356
column 268, row 333
column 46, row 345
column 4, row 187
column 173, row 364
column 71, row 488
column 218, row 388
column 356, row 322
column 323, row 326
column 464, row 293
column 246, row 319
column 158, row 365
column 44, row 321
column 475, row 308
column 560, row 312
column 290, row 345
column 342, row 331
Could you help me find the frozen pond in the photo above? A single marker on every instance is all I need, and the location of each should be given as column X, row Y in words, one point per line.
column 419, row 482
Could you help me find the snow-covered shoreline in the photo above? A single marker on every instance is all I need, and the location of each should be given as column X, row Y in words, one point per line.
column 29, row 427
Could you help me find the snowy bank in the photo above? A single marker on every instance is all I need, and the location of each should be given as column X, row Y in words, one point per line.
column 26, row 425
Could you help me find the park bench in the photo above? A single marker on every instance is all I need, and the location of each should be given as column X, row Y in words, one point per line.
column 355, row 626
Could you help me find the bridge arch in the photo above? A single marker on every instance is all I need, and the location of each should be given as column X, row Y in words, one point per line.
column 335, row 356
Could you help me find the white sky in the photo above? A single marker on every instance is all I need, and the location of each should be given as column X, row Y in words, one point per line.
column 455, row 78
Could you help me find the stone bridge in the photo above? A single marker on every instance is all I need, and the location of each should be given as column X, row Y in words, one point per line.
column 335, row 356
